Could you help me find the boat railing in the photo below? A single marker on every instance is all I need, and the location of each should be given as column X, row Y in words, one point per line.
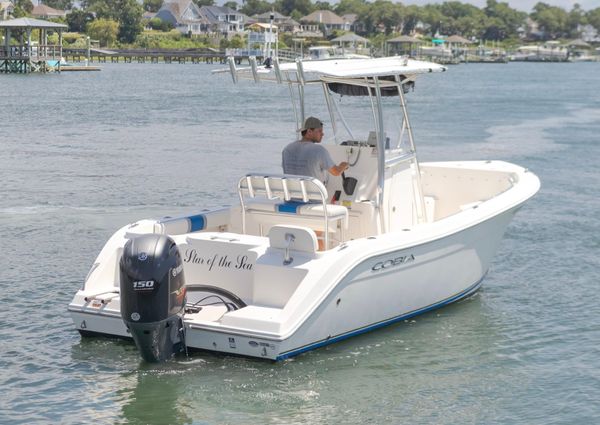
column 303, row 196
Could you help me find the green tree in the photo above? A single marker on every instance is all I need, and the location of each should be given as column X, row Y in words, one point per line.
column 504, row 22
column 232, row 4
column 256, row 7
column 128, row 13
column 201, row 3
column 152, row 5
column 382, row 13
column 104, row 30
column 78, row 20
column 576, row 19
column 22, row 8
column 593, row 18
column 59, row 4
column 551, row 19
column 288, row 7
column 351, row 6
column 322, row 5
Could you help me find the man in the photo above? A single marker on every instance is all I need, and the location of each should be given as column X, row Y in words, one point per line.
column 306, row 157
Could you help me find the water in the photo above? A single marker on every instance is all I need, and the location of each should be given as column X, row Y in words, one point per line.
column 82, row 154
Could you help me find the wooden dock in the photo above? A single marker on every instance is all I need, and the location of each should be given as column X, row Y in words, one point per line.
column 192, row 56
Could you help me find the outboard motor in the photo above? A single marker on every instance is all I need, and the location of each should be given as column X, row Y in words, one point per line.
column 153, row 295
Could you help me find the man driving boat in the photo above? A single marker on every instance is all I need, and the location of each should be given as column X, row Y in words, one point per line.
column 306, row 157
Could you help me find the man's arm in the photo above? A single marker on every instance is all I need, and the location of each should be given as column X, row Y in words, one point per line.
column 336, row 170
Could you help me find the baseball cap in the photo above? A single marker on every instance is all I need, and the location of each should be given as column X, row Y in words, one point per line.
column 312, row 122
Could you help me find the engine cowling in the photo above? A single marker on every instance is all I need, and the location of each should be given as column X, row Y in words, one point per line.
column 153, row 295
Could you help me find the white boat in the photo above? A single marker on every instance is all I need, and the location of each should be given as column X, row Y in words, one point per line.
column 401, row 237
column 549, row 52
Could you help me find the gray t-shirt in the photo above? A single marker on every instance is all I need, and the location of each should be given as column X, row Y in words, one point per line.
column 307, row 159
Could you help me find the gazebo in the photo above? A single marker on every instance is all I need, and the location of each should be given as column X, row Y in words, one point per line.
column 351, row 42
column 403, row 45
column 24, row 55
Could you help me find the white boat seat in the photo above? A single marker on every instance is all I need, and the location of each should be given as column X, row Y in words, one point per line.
column 314, row 209
column 305, row 239
column 289, row 199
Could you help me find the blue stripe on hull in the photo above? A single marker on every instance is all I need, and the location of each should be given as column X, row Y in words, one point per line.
column 469, row 291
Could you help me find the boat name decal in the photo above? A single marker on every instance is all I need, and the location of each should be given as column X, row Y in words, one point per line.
column 241, row 262
column 392, row 262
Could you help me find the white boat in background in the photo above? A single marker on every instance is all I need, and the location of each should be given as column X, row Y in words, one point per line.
column 552, row 51
column 401, row 237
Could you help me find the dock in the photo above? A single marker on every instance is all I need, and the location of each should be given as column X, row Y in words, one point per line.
column 29, row 55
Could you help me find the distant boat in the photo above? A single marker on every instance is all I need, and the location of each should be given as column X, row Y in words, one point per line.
column 552, row 51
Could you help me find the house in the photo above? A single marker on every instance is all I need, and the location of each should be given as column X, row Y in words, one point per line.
column 223, row 19
column 284, row 23
column 6, row 10
column 351, row 19
column 41, row 11
column 329, row 20
column 185, row 16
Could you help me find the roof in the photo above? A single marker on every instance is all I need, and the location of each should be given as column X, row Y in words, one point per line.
column 43, row 10
column 350, row 37
column 350, row 17
column 30, row 23
column 323, row 17
column 267, row 15
column 578, row 43
column 405, row 39
column 458, row 39
column 263, row 25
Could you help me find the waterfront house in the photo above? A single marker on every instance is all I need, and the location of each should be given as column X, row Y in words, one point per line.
column 6, row 10
column 328, row 20
column 184, row 15
column 223, row 19
column 284, row 23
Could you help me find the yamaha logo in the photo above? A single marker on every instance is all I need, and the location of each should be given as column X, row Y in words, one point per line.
column 143, row 256
column 177, row 270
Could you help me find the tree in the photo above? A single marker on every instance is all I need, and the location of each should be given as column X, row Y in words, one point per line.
column 351, row 6
column 576, row 19
column 593, row 18
column 551, row 19
column 287, row 7
column 322, row 5
column 201, row 3
column 104, row 30
column 22, row 8
column 152, row 5
column 78, row 20
column 256, row 7
column 128, row 14
column 232, row 4
column 504, row 22
column 59, row 4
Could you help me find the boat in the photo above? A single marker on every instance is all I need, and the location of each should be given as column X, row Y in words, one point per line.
column 551, row 51
column 401, row 237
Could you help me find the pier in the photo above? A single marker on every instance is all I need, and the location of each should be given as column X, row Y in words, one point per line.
column 193, row 56
column 29, row 55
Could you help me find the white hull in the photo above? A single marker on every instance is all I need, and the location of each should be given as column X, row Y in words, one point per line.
column 366, row 282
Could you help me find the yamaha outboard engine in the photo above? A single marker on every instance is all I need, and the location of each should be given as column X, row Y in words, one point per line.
column 153, row 295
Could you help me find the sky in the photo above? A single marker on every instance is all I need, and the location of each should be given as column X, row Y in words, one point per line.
column 523, row 5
